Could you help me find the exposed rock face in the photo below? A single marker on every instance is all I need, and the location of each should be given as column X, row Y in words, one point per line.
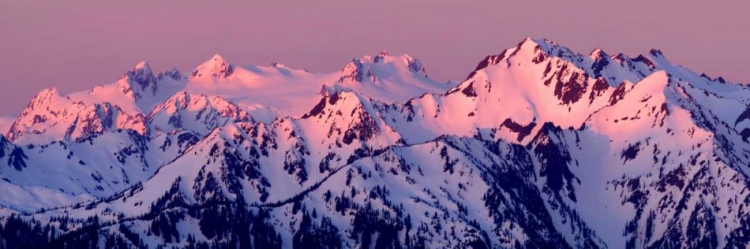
column 215, row 67
column 530, row 151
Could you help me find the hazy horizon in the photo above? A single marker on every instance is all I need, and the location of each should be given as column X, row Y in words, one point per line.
column 63, row 44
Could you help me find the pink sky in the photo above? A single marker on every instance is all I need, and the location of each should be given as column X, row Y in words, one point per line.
column 77, row 44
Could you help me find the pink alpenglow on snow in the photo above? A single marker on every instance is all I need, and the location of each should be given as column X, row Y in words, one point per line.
column 530, row 150
column 82, row 43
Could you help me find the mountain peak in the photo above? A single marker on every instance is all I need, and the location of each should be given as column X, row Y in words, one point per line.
column 530, row 152
column 216, row 67
column 143, row 65
column 218, row 58
column 278, row 64
column 381, row 65
column 529, row 42
column 531, row 47
column 381, row 57
column 49, row 91
column 352, row 71
column 596, row 53
column 45, row 97
column 195, row 111
column 414, row 65
column 141, row 75
column 655, row 52
column 173, row 73
column 526, row 43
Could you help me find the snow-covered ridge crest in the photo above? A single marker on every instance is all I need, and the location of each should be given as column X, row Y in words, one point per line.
column 216, row 67
column 142, row 75
column 139, row 82
column 387, row 78
column 382, row 65
column 195, row 112
column 47, row 104
column 530, row 151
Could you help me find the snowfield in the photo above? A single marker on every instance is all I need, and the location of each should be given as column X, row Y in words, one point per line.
column 540, row 147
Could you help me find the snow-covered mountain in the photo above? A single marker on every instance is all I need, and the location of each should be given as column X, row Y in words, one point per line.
column 540, row 147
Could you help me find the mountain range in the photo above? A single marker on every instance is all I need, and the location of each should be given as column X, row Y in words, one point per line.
column 539, row 147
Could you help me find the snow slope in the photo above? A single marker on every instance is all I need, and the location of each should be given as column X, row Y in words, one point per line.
column 540, row 147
